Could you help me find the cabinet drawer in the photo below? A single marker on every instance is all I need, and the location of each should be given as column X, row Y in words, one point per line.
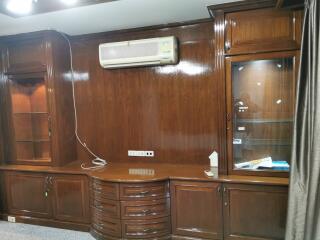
column 106, row 208
column 144, row 191
column 134, row 229
column 262, row 30
column 105, row 190
column 107, row 226
column 145, row 209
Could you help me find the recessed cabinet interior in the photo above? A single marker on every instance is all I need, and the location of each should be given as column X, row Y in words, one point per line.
column 262, row 30
column 31, row 120
column 261, row 103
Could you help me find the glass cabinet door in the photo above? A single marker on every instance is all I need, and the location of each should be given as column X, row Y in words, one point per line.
column 30, row 120
column 261, row 111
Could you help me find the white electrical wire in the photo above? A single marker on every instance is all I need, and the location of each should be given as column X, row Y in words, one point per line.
column 97, row 161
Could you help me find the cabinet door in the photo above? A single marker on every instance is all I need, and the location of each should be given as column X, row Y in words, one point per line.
column 196, row 209
column 71, row 198
column 262, row 30
column 26, row 194
column 26, row 56
column 261, row 105
column 254, row 212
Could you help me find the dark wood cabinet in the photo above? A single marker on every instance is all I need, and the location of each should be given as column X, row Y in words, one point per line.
column 49, row 196
column 254, row 212
column 262, row 30
column 39, row 113
column 196, row 209
column 71, row 200
column 26, row 56
column 28, row 194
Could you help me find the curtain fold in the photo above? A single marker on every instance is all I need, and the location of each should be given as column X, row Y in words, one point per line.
column 303, row 221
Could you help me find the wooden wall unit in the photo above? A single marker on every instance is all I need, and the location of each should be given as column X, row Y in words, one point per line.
column 182, row 112
column 39, row 116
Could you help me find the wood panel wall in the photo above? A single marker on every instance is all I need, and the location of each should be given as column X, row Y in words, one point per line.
column 1, row 108
column 172, row 110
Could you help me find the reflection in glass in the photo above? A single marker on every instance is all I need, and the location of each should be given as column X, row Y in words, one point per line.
column 263, row 111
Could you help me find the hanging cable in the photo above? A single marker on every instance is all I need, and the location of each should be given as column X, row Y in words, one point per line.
column 97, row 162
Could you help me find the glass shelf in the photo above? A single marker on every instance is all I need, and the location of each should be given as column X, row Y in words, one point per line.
column 30, row 119
column 263, row 97
column 264, row 121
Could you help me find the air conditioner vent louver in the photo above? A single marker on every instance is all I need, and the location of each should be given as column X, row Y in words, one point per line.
column 154, row 51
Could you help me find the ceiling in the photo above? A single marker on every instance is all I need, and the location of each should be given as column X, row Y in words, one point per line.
column 116, row 15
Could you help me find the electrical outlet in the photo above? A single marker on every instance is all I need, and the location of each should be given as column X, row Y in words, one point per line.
column 135, row 153
column 11, row 219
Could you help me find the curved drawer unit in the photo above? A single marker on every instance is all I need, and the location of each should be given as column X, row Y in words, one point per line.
column 130, row 210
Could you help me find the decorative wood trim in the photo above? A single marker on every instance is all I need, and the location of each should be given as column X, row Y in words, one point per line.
column 241, row 6
column 219, row 32
column 138, row 29
column 290, row 4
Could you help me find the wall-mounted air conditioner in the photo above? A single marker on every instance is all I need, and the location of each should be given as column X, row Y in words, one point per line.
column 145, row 52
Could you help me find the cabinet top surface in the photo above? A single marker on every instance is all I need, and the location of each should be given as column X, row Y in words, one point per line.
column 144, row 172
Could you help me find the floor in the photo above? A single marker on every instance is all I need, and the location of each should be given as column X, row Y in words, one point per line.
column 19, row 231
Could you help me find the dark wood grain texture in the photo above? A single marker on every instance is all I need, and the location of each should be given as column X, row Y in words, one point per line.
column 254, row 212
column 196, row 209
column 172, row 110
column 71, row 200
column 262, row 30
column 26, row 194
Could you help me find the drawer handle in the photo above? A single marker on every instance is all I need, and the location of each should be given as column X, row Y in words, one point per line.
column 143, row 213
column 144, row 192
column 149, row 230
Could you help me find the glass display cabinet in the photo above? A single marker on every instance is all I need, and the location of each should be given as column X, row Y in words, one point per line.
column 261, row 106
column 31, row 120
